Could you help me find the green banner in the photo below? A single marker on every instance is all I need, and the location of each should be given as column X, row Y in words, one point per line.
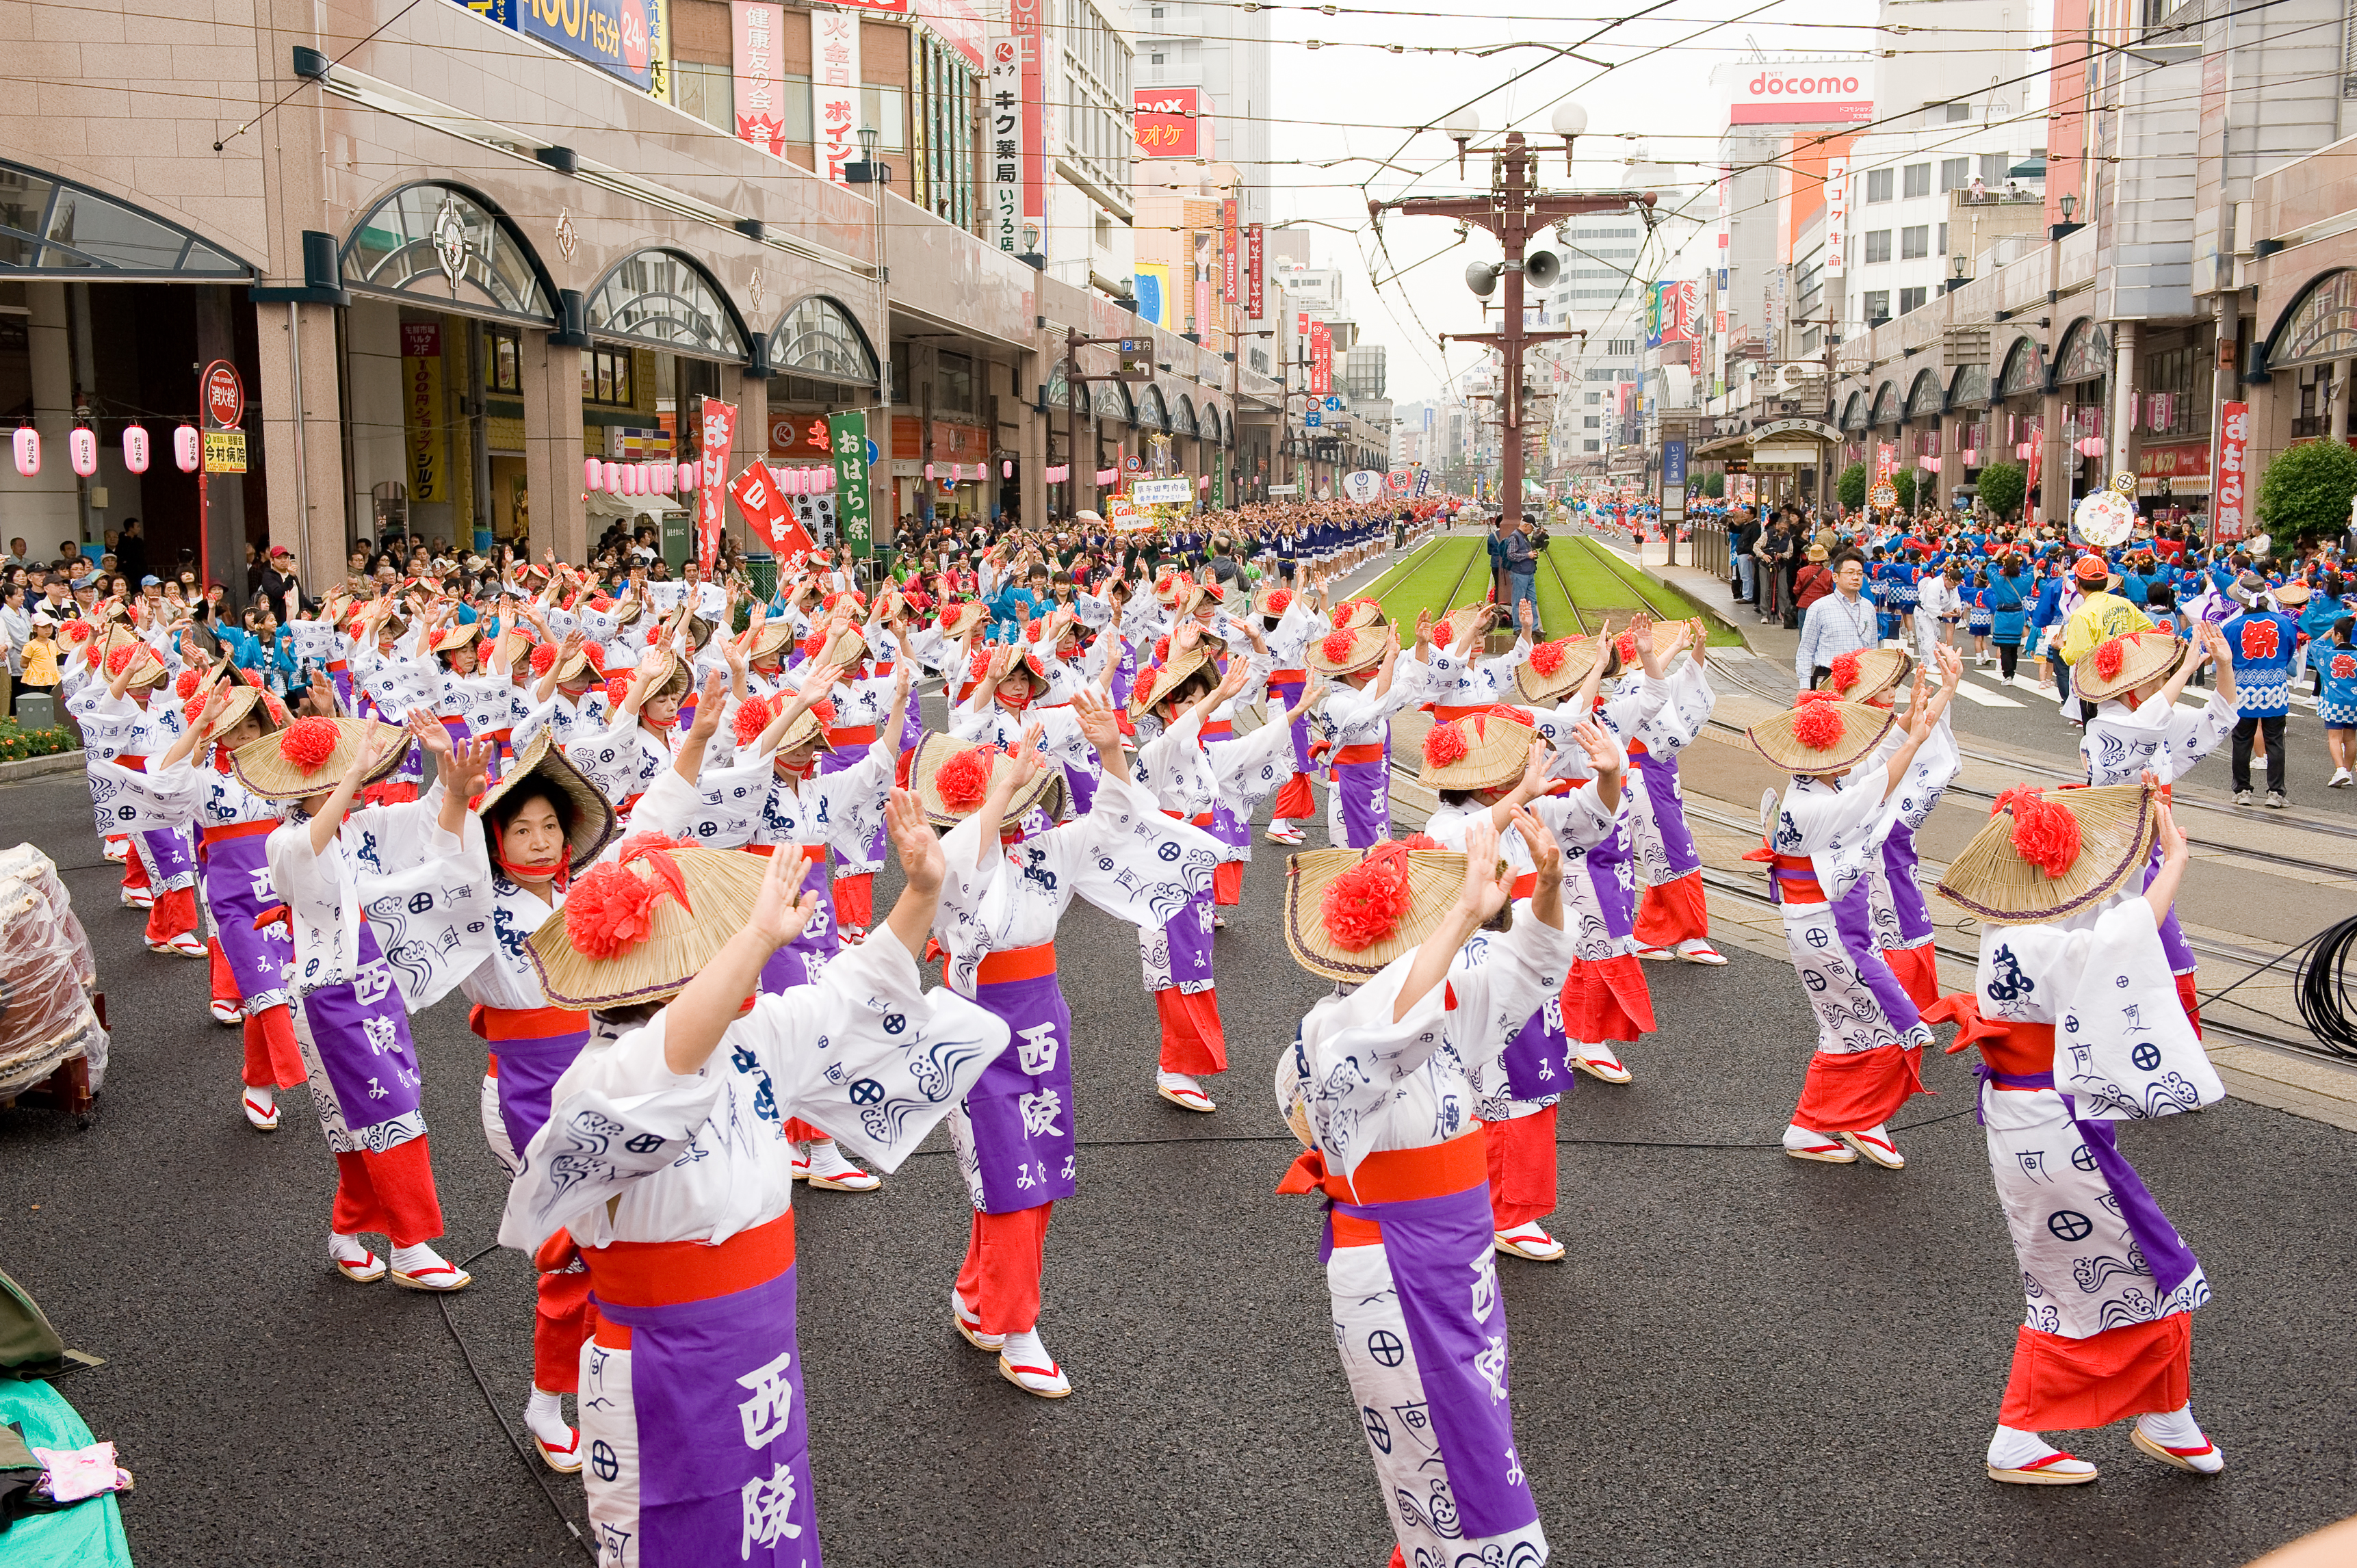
column 1218, row 484
column 855, row 525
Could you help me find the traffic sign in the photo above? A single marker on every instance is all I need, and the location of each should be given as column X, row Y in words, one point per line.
column 1335, row 403
column 1313, row 419
column 224, row 395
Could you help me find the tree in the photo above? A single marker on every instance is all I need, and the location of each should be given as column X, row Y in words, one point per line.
column 1903, row 482
column 1850, row 488
column 2306, row 493
column 1715, row 486
column 2002, row 487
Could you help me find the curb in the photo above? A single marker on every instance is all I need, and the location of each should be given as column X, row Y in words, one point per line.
column 1709, row 612
column 33, row 767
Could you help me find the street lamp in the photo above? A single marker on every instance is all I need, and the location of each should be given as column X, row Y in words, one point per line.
column 1463, row 127
column 1568, row 120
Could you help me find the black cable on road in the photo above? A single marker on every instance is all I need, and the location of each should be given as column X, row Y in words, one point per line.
column 2321, row 989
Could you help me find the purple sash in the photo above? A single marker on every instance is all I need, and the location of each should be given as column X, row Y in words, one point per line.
column 1853, row 924
column 1020, row 1110
column 236, row 874
column 364, row 1045
column 1616, row 902
column 529, row 1069
column 2171, row 1262
column 1906, row 894
column 170, row 862
column 1189, row 933
column 2173, row 944
column 837, row 759
column 1124, row 670
column 724, row 1433
column 1364, row 790
column 1082, row 786
column 1658, row 778
column 1537, row 1060
column 1439, row 1253
column 799, row 961
column 1286, row 693
column 1230, row 829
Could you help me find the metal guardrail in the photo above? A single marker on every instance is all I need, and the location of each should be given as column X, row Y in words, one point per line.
column 1710, row 548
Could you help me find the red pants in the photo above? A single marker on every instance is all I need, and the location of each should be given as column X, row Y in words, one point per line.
column 1294, row 803
column 1228, row 881
column 855, row 901
column 801, row 1132
column 1000, row 1279
column 1673, row 912
column 1918, row 969
column 1849, row 1091
column 389, row 1195
column 135, row 870
column 224, row 979
column 1522, row 1168
column 563, row 1318
column 1193, row 1041
column 2070, row 1385
column 2191, row 1000
column 273, row 1060
column 174, row 914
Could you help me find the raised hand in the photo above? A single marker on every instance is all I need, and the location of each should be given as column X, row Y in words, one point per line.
column 1546, row 853
column 1486, row 884
column 1312, row 693
column 1094, row 712
column 914, row 843
column 470, row 766
column 708, row 704
column 432, row 737
column 781, row 910
column 1603, row 751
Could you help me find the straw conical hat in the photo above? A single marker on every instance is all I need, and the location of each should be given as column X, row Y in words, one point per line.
column 1452, row 625
column 1273, row 599
column 1409, row 727
column 769, row 639
column 808, row 728
column 274, row 767
column 1331, row 655
column 146, row 666
column 1996, row 880
column 961, row 618
column 452, row 638
column 1572, row 658
column 843, row 648
column 683, row 935
column 2132, row 658
column 593, row 814
column 1169, row 678
column 937, row 751
column 1433, row 880
column 1489, row 751
column 237, row 701
column 1854, row 730
column 1354, row 614
column 1171, row 589
column 1879, row 670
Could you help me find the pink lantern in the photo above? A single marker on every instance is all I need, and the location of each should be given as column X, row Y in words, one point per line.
column 613, row 478
column 135, row 448
column 638, row 481
column 789, row 482
column 666, row 478
column 29, row 450
column 827, row 479
column 929, row 470
column 1005, row 470
column 592, row 474
column 188, row 448
column 82, row 450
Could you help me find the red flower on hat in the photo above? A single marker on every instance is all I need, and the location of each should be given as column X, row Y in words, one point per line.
column 120, row 659
column 963, row 781
column 1162, row 648
column 654, row 635
column 1444, row 746
column 2044, row 834
column 1366, row 903
column 600, row 603
column 1845, row 671
column 1032, row 629
column 617, row 689
column 813, row 645
column 611, row 910
column 2260, row 638
column 308, row 743
column 1338, row 645
column 1279, row 601
column 979, row 665
column 2111, row 656
column 1818, row 726
column 595, row 653
column 276, row 709
column 1625, row 644
column 77, row 631
column 186, row 686
column 1420, row 841
column 753, row 716
column 543, row 657
column 1547, row 658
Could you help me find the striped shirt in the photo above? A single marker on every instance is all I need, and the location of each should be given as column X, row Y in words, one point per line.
column 1836, row 625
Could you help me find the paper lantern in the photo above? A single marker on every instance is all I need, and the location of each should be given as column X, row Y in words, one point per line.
column 635, row 478
column 592, row 474
column 29, row 450
column 789, row 482
column 929, row 470
column 188, row 448
column 82, row 450
column 1005, row 470
column 613, row 478
column 690, row 476
column 135, row 448
column 664, row 474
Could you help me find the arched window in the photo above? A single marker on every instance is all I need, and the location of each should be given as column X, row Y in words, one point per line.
column 1113, row 402
column 820, row 339
column 1854, row 412
column 445, row 244
column 1970, row 387
column 1924, row 398
column 2025, row 370
column 2320, row 326
column 1152, row 414
column 2086, row 354
column 55, row 228
column 1886, row 405
column 664, row 298
column 1183, row 422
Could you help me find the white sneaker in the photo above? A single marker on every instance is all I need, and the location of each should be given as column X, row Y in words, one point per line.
column 1805, row 1144
column 261, row 1109
column 1599, row 1062
column 1025, row 1363
column 227, row 1013
column 1696, row 951
column 2340, row 779
column 969, row 1322
column 1529, row 1241
column 421, row 1268
column 353, row 1261
column 1183, row 1091
column 829, row 1170
column 1875, row 1145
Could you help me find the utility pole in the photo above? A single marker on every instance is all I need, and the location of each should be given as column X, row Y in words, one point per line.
column 1512, row 210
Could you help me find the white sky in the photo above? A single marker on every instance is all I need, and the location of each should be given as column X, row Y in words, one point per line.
column 1662, row 100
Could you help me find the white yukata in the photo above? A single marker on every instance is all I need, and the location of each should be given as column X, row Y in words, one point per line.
column 1358, row 803
column 625, row 760
column 1418, row 1318
column 678, row 1188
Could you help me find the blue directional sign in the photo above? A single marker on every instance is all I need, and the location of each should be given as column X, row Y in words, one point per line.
column 1334, row 404
column 1313, row 419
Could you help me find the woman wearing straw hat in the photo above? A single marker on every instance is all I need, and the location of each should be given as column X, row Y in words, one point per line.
column 2071, row 956
column 1011, row 877
column 176, row 790
column 568, row 699
column 858, row 690
column 638, row 746
column 1377, row 1084
column 1673, row 919
column 356, row 980
column 1291, row 619
column 1361, row 663
column 1848, row 784
column 1490, row 766
column 124, row 721
column 663, row 1161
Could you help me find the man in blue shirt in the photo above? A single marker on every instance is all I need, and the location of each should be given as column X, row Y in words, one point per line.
column 2261, row 639
column 1522, row 562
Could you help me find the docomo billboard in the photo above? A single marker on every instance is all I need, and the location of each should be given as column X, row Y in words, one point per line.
column 1170, row 121
column 1819, row 92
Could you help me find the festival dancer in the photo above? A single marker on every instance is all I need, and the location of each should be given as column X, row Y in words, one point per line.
column 628, row 757
column 1848, row 786
column 2111, row 1285
column 1490, row 766
column 1376, row 1084
column 664, row 1160
column 1292, row 618
column 1011, row 877
column 1371, row 685
column 1672, row 916
column 1897, row 913
column 127, row 718
column 355, row 980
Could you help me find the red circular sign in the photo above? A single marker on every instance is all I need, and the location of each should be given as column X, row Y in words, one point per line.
column 224, row 395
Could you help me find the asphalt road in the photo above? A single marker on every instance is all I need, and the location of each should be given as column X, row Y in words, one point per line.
column 1744, row 1361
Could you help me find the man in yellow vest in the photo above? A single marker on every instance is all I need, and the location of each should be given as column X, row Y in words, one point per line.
column 2100, row 616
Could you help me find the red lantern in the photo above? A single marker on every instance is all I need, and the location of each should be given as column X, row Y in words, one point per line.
column 135, row 448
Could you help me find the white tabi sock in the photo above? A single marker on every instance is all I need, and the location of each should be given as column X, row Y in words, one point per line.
column 347, row 1249
column 826, row 1160
column 545, row 1415
column 1179, row 1080
column 1025, row 1349
column 2178, row 1429
column 262, row 1097
column 2012, row 1448
column 410, row 1259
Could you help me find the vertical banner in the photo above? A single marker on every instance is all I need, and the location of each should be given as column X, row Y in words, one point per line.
column 849, row 434
column 1885, row 461
column 1219, row 481
column 1006, row 116
column 1023, row 19
column 1836, row 215
column 834, row 91
column 759, row 90
column 1321, row 359
column 1230, row 260
column 768, row 515
column 719, row 428
column 421, row 411
column 2229, row 507
column 1255, row 297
